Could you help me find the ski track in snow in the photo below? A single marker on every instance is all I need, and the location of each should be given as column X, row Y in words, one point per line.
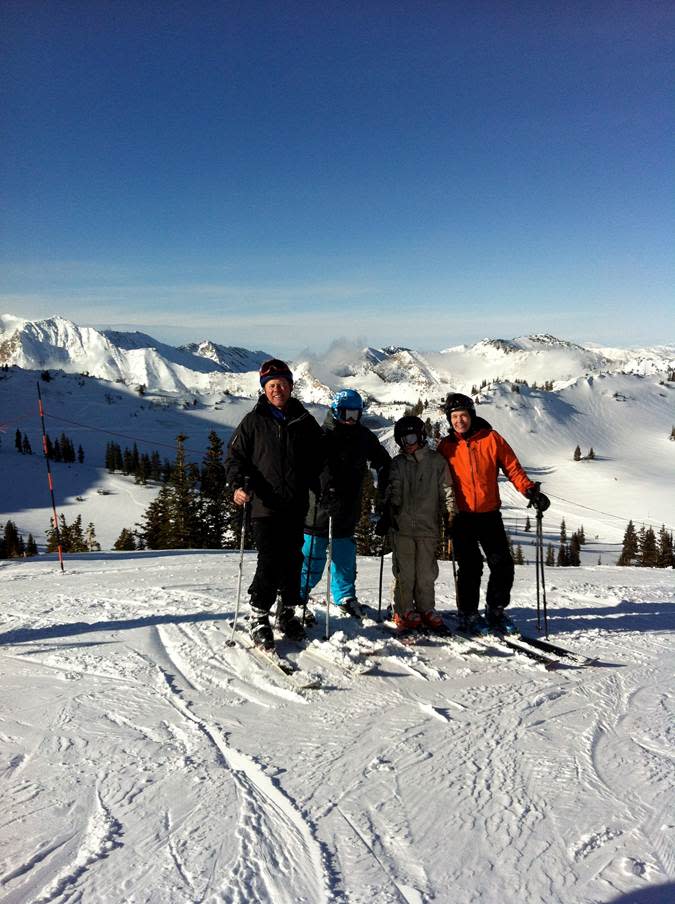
column 145, row 761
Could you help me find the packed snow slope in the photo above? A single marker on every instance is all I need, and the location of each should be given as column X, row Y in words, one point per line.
column 144, row 760
column 626, row 418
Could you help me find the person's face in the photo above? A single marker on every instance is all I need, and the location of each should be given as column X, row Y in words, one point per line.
column 278, row 392
column 460, row 420
column 410, row 443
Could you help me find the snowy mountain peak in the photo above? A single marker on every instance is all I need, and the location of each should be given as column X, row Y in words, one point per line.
column 230, row 358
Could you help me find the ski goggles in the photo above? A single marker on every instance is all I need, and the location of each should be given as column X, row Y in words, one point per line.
column 410, row 439
column 349, row 414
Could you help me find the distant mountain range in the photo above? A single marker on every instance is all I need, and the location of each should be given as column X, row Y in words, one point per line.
column 384, row 375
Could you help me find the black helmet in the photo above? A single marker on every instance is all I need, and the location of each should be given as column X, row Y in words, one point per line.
column 410, row 425
column 456, row 401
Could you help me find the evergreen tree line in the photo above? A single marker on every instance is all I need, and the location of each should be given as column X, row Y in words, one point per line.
column 644, row 549
column 193, row 509
column 73, row 537
column 22, row 443
column 546, row 386
column 12, row 545
column 62, row 449
column 569, row 551
column 142, row 466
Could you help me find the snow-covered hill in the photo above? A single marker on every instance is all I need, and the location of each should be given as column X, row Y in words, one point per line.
column 625, row 416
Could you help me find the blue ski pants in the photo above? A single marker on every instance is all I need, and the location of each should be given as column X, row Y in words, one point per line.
column 342, row 570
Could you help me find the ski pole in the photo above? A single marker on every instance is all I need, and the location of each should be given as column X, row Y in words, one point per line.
column 329, row 561
column 540, row 531
column 305, row 598
column 379, row 595
column 241, row 560
column 50, row 479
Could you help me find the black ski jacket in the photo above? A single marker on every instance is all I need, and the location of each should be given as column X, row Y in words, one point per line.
column 349, row 450
column 281, row 458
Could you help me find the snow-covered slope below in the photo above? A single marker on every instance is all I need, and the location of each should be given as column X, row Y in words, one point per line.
column 143, row 759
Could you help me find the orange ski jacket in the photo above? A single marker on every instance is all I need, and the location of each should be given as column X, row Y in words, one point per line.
column 475, row 460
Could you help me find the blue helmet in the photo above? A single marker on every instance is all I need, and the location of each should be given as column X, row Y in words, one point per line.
column 346, row 400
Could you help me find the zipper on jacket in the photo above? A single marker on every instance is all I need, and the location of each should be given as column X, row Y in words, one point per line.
column 473, row 473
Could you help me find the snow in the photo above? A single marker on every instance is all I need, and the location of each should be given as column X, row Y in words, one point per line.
column 145, row 760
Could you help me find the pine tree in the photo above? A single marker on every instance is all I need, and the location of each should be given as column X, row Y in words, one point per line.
column 156, row 528
column 550, row 556
column 563, row 532
column 26, row 446
column 581, row 535
column 647, row 545
column 574, row 558
column 577, row 454
column 666, row 554
column 518, row 556
column 528, row 524
column 126, row 540
column 56, row 451
column 80, row 454
column 629, row 550
column 213, row 490
column 591, row 454
column 31, row 546
column 17, row 441
column 185, row 506
column 90, row 540
column 12, row 541
column 77, row 540
column 563, row 558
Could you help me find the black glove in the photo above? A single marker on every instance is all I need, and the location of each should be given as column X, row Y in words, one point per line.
column 330, row 502
column 538, row 499
column 383, row 524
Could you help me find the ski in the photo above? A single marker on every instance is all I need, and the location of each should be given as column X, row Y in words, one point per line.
column 281, row 664
column 507, row 647
column 556, row 650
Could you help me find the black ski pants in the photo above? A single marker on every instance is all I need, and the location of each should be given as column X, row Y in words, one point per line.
column 470, row 531
column 279, row 540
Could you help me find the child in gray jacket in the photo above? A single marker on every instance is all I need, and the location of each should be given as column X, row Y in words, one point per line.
column 420, row 496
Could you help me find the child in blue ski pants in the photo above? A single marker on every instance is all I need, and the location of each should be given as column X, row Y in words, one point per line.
column 342, row 571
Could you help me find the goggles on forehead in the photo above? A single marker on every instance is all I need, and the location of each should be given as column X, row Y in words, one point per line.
column 349, row 414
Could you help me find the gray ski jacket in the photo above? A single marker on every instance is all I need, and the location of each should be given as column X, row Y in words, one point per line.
column 420, row 493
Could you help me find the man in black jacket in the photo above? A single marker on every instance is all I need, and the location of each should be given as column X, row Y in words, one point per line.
column 278, row 448
column 350, row 448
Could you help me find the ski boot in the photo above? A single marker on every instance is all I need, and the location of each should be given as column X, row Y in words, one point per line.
column 409, row 621
column 498, row 621
column 289, row 625
column 433, row 621
column 306, row 616
column 351, row 606
column 472, row 623
column 260, row 629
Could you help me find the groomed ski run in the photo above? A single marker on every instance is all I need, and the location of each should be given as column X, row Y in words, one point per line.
column 145, row 760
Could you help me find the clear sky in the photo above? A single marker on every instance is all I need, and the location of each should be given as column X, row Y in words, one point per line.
column 282, row 174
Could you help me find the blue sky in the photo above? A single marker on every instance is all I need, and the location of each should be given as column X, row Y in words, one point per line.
column 282, row 174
